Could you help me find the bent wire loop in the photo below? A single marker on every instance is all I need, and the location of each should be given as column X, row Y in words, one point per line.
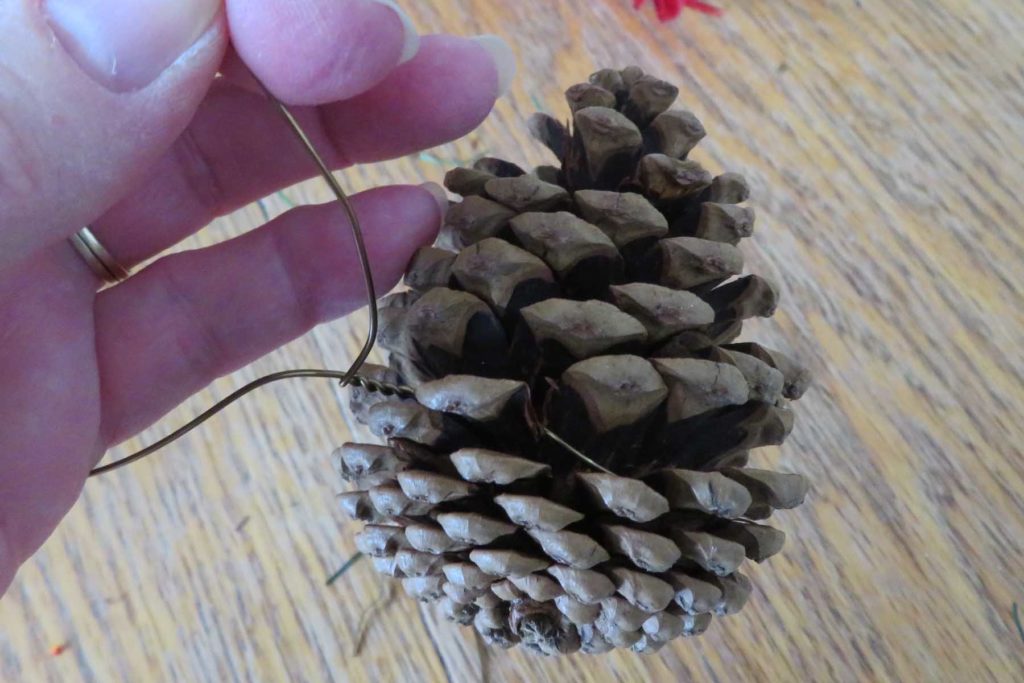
column 349, row 377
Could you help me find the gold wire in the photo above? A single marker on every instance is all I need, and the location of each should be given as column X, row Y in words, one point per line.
column 567, row 446
column 213, row 410
column 357, row 233
column 358, row 380
column 347, row 378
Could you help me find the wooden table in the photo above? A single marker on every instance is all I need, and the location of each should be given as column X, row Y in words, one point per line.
column 883, row 141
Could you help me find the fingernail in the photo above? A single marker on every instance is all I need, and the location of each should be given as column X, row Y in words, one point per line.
column 504, row 59
column 440, row 196
column 125, row 44
column 412, row 36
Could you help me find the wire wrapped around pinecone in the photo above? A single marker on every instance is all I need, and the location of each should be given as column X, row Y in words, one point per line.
column 568, row 469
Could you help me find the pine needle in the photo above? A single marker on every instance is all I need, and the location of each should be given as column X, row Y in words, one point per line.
column 263, row 210
column 284, row 198
column 429, row 158
column 382, row 601
column 344, row 568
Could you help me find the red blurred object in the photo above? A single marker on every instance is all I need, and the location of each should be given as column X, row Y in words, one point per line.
column 670, row 9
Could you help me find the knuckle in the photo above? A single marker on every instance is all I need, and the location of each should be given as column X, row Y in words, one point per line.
column 199, row 347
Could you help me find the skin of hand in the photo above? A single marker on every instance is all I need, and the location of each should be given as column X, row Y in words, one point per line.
column 139, row 118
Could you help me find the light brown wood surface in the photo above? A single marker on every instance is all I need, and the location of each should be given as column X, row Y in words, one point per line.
column 884, row 142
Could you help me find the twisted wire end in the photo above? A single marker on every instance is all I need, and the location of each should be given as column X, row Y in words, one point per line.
column 380, row 387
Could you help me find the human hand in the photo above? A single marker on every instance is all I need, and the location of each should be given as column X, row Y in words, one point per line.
column 110, row 116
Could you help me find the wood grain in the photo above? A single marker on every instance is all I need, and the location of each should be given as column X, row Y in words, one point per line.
column 884, row 143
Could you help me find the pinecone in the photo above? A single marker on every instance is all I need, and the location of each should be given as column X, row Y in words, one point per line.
column 568, row 468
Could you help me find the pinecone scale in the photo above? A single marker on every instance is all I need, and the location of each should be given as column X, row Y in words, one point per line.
column 568, row 470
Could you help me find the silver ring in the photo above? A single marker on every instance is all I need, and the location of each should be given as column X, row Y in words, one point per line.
column 96, row 256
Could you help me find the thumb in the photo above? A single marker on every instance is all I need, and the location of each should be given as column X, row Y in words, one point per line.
column 91, row 93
